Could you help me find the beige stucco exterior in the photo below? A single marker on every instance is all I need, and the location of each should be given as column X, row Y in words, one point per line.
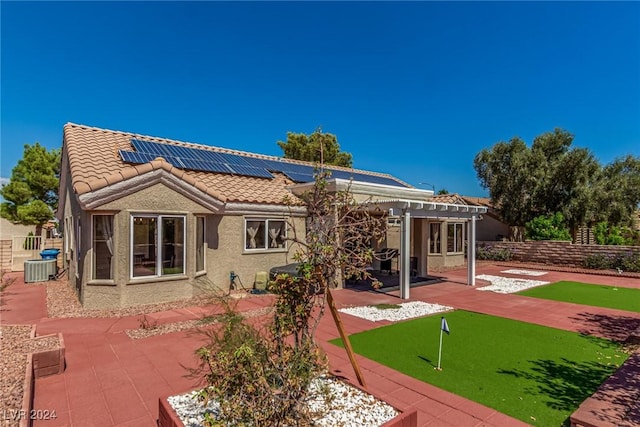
column 224, row 250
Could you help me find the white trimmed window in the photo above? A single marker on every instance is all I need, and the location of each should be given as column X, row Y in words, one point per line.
column 455, row 238
column 157, row 245
column 265, row 234
column 434, row 237
column 103, row 247
column 200, row 252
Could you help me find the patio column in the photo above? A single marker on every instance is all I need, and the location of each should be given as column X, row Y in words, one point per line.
column 405, row 267
column 471, row 252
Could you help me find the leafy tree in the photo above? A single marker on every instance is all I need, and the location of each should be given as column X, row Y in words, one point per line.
column 548, row 227
column 504, row 170
column 617, row 195
column 442, row 192
column 31, row 196
column 319, row 147
column 551, row 177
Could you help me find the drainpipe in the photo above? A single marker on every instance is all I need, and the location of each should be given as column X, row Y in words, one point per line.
column 471, row 252
column 405, row 268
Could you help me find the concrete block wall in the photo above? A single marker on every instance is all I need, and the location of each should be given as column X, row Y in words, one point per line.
column 557, row 252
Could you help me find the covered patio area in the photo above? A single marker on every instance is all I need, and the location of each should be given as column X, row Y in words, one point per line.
column 431, row 231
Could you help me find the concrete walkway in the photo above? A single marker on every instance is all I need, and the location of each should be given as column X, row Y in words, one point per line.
column 112, row 380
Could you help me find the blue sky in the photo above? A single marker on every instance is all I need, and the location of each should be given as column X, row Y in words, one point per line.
column 413, row 89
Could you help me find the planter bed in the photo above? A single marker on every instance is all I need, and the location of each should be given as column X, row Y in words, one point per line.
column 26, row 357
column 168, row 415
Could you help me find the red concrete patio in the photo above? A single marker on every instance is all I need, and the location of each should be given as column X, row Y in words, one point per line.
column 112, row 380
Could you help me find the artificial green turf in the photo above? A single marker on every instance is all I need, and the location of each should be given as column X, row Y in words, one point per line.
column 587, row 294
column 537, row 374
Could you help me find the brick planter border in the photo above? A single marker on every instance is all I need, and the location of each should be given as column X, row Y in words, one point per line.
column 27, row 393
column 49, row 362
column 167, row 416
column 39, row 364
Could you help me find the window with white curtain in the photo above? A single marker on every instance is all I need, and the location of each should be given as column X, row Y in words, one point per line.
column 455, row 237
column 434, row 237
column 103, row 247
column 265, row 234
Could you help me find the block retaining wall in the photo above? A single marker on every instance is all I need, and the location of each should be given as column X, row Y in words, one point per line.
column 557, row 252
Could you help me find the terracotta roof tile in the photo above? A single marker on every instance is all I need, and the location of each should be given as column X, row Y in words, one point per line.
column 449, row 198
column 95, row 163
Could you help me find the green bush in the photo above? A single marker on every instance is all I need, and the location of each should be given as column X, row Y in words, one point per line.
column 613, row 235
column 598, row 262
column 547, row 227
column 628, row 261
column 491, row 253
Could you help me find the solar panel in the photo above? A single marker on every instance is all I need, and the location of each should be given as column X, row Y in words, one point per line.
column 215, row 161
column 150, row 148
column 134, row 157
column 300, row 177
column 234, row 159
column 212, row 156
column 201, row 165
column 257, row 163
column 250, row 171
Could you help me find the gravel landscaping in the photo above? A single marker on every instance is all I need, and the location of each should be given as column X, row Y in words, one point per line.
column 525, row 272
column 15, row 345
column 407, row 310
column 346, row 406
column 507, row 285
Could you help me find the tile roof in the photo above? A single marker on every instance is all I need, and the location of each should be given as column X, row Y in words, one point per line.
column 480, row 201
column 94, row 163
column 454, row 199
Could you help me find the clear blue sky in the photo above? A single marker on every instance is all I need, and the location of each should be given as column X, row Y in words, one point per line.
column 413, row 89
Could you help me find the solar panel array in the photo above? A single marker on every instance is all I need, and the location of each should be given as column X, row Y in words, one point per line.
column 199, row 159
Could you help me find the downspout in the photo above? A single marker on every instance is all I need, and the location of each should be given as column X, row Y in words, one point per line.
column 405, row 240
column 471, row 252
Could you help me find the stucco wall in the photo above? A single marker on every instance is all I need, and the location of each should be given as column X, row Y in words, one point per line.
column 8, row 229
column 224, row 242
column 491, row 229
column 226, row 253
column 557, row 252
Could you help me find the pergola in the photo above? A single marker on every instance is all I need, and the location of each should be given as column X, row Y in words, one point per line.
column 408, row 203
column 407, row 209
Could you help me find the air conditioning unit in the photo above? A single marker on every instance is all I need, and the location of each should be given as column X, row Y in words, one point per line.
column 39, row 270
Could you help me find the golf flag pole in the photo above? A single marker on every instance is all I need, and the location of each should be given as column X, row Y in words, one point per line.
column 444, row 327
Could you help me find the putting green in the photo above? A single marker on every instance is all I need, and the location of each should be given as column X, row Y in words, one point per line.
column 537, row 374
column 586, row 294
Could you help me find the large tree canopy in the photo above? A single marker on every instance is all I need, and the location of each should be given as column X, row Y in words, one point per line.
column 317, row 147
column 31, row 196
column 552, row 176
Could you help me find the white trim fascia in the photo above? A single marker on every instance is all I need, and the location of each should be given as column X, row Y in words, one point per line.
column 95, row 199
column 366, row 188
column 263, row 209
column 418, row 205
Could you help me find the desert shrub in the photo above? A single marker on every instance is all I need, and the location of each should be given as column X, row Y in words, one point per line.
column 548, row 227
column 492, row 253
column 598, row 262
column 628, row 261
column 256, row 378
column 259, row 372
